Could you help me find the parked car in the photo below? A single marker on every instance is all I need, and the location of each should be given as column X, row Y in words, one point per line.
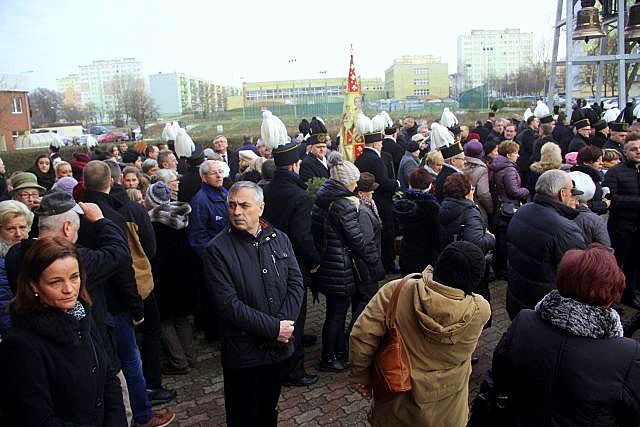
column 88, row 140
column 98, row 130
column 112, row 137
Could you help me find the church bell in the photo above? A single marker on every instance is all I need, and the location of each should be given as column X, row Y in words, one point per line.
column 588, row 22
column 632, row 30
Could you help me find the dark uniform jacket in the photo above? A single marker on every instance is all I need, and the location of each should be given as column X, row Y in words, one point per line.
column 526, row 139
column 255, row 283
column 311, row 167
column 396, row 151
column 598, row 139
column 577, row 143
column 55, row 372
column 537, row 147
column 189, row 184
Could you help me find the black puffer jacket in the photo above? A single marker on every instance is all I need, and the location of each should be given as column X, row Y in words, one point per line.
column 336, row 234
column 538, row 236
column 596, row 204
column 624, row 182
column 555, row 378
column 461, row 220
column 417, row 213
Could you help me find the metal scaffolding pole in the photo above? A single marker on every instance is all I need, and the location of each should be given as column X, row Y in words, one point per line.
column 551, row 90
column 568, row 72
column 622, row 71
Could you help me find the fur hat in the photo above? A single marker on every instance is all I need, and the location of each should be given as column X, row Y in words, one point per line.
column 460, row 265
column 158, row 194
column 341, row 170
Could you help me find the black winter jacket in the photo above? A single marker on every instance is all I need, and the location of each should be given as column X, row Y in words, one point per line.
column 417, row 213
column 598, row 139
column 624, row 182
column 255, row 283
column 461, row 220
column 311, row 167
column 538, row 236
column 396, row 151
column 596, row 204
column 577, row 143
column 526, row 139
column 563, row 135
column 446, row 171
column 120, row 290
column 555, row 378
column 337, row 235
column 287, row 207
column 189, row 184
column 55, row 373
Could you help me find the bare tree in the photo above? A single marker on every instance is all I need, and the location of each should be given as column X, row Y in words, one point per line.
column 45, row 106
column 140, row 106
column 91, row 112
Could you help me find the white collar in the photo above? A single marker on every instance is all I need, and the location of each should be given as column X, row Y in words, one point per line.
column 374, row 150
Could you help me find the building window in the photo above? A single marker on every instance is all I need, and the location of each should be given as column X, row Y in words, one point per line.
column 15, row 134
column 421, row 82
column 422, row 71
column 421, row 92
column 16, row 105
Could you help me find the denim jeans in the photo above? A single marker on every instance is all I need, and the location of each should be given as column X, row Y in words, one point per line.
column 131, row 363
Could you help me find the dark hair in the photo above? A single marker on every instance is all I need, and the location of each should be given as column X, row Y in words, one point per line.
column 589, row 154
column 420, row 179
column 530, row 119
column 591, row 276
column 42, row 253
column 456, row 186
column 632, row 136
column 133, row 170
column 42, row 156
column 148, row 149
column 460, row 265
column 268, row 169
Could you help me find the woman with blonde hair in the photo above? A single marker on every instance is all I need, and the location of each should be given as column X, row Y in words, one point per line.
column 550, row 158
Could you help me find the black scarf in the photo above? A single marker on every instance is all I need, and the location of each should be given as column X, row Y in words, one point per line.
column 45, row 179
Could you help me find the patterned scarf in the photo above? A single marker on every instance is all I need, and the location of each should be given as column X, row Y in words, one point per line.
column 77, row 311
column 370, row 204
column 174, row 214
column 578, row 318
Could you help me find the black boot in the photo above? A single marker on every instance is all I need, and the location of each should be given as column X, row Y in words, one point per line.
column 331, row 364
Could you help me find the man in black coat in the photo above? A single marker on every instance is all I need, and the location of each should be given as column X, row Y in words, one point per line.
column 561, row 133
column 256, row 284
column 623, row 181
column 496, row 134
column 546, row 135
column 390, row 146
column 410, row 128
column 230, row 157
column 190, row 181
column 371, row 161
column 581, row 139
column 616, row 139
column 314, row 164
column 526, row 138
column 538, row 236
column 288, row 208
column 602, row 133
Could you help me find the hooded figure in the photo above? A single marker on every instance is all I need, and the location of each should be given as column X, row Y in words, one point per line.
column 448, row 119
column 440, row 136
column 168, row 133
column 611, row 114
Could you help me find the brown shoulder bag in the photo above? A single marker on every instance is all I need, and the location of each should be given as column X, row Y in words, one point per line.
column 391, row 372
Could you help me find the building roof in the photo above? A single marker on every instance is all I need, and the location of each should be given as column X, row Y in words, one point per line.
column 14, row 83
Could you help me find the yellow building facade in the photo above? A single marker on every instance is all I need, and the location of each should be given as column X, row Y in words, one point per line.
column 417, row 76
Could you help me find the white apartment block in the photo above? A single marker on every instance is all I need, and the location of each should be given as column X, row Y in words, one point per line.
column 178, row 93
column 492, row 54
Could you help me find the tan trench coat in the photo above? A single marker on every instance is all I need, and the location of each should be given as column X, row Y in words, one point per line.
column 440, row 327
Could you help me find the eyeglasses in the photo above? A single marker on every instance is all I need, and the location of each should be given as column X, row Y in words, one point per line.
column 28, row 195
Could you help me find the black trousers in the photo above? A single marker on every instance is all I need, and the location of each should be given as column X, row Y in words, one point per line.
column 627, row 247
column 151, row 348
column 251, row 396
column 293, row 367
column 334, row 339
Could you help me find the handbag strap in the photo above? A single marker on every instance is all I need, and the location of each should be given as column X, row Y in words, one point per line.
column 390, row 316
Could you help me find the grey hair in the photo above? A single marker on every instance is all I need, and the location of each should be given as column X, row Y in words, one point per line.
column 54, row 222
column 421, row 127
column 258, row 195
column 10, row 209
column 166, row 175
column 551, row 182
column 148, row 164
column 205, row 167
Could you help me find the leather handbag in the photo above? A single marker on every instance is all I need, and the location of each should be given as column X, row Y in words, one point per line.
column 391, row 372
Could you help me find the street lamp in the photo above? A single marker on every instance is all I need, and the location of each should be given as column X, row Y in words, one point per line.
column 292, row 61
column 326, row 95
column 243, row 98
column 486, row 51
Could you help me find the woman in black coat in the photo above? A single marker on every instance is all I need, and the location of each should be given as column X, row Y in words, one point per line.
column 174, row 282
column 52, row 362
column 590, row 162
column 338, row 237
column 566, row 363
column 417, row 213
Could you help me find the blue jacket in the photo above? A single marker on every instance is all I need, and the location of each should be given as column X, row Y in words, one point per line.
column 5, row 298
column 208, row 216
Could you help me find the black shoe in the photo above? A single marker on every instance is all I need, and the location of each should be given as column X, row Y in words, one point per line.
column 632, row 300
column 170, row 370
column 474, row 360
column 331, row 365
column 343, row 357
column 161, row 395
column 303, row 381
column 309, row 340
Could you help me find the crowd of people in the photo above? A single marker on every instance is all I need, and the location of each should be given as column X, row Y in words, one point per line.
column 109, row 259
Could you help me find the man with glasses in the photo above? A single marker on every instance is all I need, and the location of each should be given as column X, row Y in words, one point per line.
column 208, row 207
column 26, row 190
column 624, row 216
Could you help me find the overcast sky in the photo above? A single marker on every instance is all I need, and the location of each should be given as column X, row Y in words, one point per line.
column 226, row 40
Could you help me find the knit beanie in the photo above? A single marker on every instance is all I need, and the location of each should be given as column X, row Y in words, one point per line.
column 460, row 265
column 66, row 184
column 341, row 170
column 158, row 194
column 473, row 149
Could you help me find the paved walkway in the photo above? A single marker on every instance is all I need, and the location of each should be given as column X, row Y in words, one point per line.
column 329, row 402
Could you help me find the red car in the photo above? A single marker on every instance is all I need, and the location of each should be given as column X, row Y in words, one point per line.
column 111, row 137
